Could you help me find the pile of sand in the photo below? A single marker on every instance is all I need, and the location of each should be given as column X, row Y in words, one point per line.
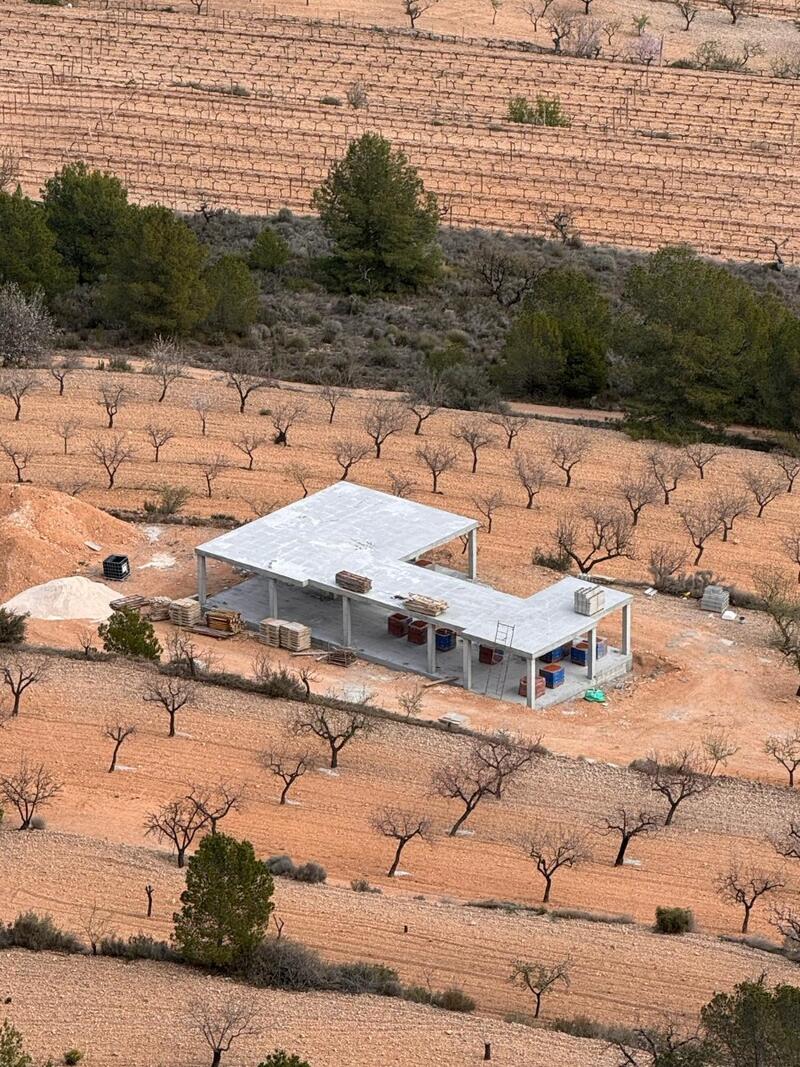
column 65, row 598
column 43, row 535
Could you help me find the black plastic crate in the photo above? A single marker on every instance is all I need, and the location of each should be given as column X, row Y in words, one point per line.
column 117, row 568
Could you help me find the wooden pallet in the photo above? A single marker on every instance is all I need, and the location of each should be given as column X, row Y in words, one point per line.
column 206, row 631
column 134, row 601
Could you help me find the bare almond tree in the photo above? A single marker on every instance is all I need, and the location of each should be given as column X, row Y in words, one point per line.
column 202, row 405
column 438, row 459
column 301, row 476
column 178, row 822
column 629, row 823
column 158, row 436
column 246, row 375
column 789, row 464
column 787, row 843
column 165, row 363
column 729, row 505
column 568, row 448
column 172, row 694
column 383, row 419
column 763, row 485
column 677, row 777
column 665, row 561
column 540, row 979
column 289, row 766
column 531, row 475
column 688, row 10
column 700, row 454
column 639, row 490
column 700, row 522
column 16, row 385
column 221, row 1024
column 786, row 921
column 332, row 395
column 20, row 458
column 347, row 453
column 487, row 505
column 560, row 24
column 283, row 415
column 335, row 727
column 536, row 10
column 410, row 700
column 475, row 437
column 423, row 404
column 668, row 467
column 718, row 747
column 552, row 847
column 218, row 801
column 496, row 6
column 249, row 444
column 488, row 769
column 9, row 167
column 735, row 8
column 112, row 454
column 212, row 467
column 18, row 675
column 401, row 826
column 415, row 8
column 401, row 484
column 785, row 748
column 28, row 788
column 745, row 884
column 606, row 534
column 508, row 277
column 66, row 430
column 791, row 546
column 112, row 398
column 118, row 732
column 60, row 370
column 511, row 425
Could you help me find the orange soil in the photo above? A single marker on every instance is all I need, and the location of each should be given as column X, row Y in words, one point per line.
column 653, row 156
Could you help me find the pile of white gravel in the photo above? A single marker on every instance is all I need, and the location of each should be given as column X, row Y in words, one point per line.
column 65, row 598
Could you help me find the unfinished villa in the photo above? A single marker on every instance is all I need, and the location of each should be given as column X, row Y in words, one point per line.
column 347, row 568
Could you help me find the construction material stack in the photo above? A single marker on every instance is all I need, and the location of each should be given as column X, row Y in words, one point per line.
column 269, row 632
column 159, row 608
column 185, row 613
column 356, row 583
column 424, row 605
column 227, row 622
column 590, row 599
column 295, row 636
column 715, row 598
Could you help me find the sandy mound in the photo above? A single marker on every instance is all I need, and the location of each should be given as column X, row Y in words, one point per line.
column 42, row 535
column 65, row 598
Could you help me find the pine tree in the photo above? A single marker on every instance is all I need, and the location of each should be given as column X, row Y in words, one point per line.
column 382, row 222
column 128, row 633
column 226, row 903
column 234, row 296
column 28, row 254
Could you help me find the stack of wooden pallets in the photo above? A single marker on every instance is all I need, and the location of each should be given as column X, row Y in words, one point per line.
column 229, row 622
column 418, row 604
column 295, row 636
column 269, row 632
column 134, row 603
column 356, row 583
column 185, row 612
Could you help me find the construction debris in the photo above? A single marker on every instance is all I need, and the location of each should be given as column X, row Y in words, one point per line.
column 342, row 657
column 418, row 604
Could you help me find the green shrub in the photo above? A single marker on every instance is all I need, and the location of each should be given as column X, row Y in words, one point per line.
column 128, row 633
column 12, row 1051
column 552, row 561
column 38, row 933
column 362, row 885
column 139, row 947
column 73, row 1056
column 674, row 921
column 362, row 977
column 280, row 684
column 279, row 963
column 12, row 627
column 269, row 251
column 546, row 111
column 310, row 872
column 171, row 500
column 582, row 1026
column 331, row 101
column 37, row 823
column 453, row 999
column 280, row 865
column 280, row 1058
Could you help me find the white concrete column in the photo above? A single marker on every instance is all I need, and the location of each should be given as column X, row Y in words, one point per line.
column 466, row 662
column 347, row 626
column 472, row 554
column 591, row 653
column 272, row 593
column 531, row 698
column 431, row 648
column 201, row 580
column 627, row 618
